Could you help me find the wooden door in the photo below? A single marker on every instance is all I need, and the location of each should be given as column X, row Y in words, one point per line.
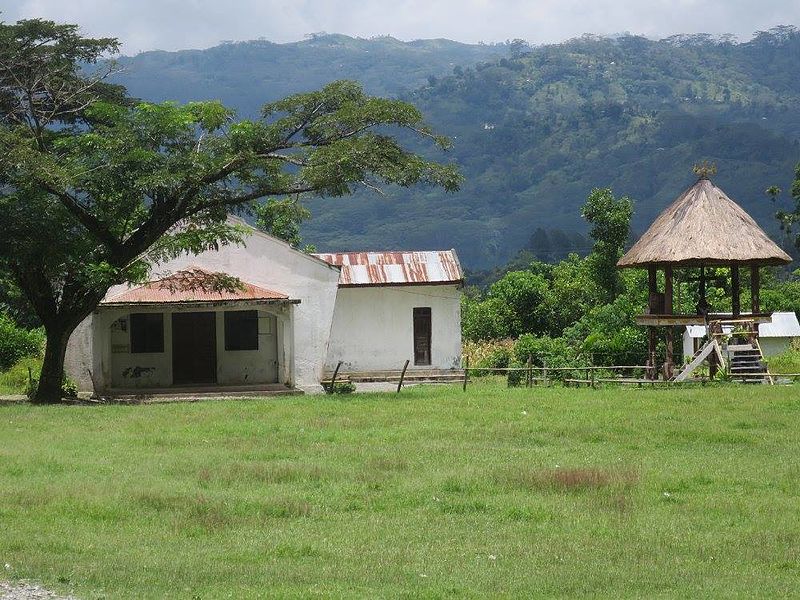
column 422, row 336
column 194, row 347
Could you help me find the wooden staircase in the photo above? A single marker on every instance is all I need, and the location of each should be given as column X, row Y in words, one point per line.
column 747, row 364
column 697, row 359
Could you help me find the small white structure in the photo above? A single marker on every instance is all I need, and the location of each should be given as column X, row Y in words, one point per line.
column 777, row 336
column 295, row 317
column 396, row 306
column 774, row 338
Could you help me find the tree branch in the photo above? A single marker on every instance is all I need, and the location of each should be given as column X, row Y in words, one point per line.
column 92, row 224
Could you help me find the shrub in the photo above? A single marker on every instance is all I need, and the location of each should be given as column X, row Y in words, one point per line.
column 495, row 354
column 23, row 377
column 16, row 342
column 545, row 351
column 18, row 375
column 553, row 353
column 515, row 378
column 786, row 362
column 341, row 387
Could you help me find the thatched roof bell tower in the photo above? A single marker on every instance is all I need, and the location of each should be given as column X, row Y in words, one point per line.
column 702, row 228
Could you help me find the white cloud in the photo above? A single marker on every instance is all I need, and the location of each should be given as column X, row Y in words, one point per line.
column 174, row 24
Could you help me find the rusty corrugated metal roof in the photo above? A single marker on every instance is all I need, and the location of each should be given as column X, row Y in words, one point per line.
column 396, row 268
column 186, row 286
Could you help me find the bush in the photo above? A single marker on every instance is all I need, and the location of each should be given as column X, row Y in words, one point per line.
column 494, row 354
column 341, row 387
column 553, row 353
column 786, row 362
column 515, row 378
column 17, row 343
column 17, row 376
column 545, row 351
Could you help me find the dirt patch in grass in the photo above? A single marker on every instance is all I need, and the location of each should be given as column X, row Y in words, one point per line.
column 286, row 508
column 568, row 479
column 386, row 463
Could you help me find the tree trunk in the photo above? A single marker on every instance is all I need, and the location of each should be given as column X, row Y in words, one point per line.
column 49, row 388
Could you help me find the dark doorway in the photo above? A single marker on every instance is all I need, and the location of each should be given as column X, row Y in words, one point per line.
column 194, row 347
column 422, row 336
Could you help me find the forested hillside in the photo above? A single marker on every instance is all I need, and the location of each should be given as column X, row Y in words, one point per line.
column 534, row 129
column 245, row 75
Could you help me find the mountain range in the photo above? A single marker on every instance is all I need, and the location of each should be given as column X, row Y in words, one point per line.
column 534, row 128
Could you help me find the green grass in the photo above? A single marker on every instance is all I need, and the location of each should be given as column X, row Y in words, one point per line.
column 690, row 492
column 786, row 362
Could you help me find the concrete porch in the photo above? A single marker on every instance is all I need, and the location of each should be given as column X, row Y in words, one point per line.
column 196, row 392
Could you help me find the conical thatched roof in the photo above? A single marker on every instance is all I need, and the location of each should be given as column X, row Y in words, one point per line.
column 704, row 227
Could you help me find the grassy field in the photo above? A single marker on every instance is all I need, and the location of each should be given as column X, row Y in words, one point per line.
column 432, row 494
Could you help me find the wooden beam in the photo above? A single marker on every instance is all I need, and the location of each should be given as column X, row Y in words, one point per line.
column 668, row 362
column 660, row 320
column 755, row 287
column 736, row 308
column 668, row 294
column 652, row 369
column 652, row 289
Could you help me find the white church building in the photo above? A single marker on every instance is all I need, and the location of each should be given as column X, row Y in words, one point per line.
column 295, row 318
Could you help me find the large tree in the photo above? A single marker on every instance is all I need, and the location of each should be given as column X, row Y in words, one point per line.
column 95, row 188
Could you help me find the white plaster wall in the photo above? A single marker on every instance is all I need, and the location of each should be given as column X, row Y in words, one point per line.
column 774, row 345
column 79, row 360
column 143, row 369
column 266, row 262
column 373, row 327
column 249, row 366
column 688, row 345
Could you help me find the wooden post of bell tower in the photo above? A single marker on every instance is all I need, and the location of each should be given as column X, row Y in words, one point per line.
column 668, row 301
column 652, row 372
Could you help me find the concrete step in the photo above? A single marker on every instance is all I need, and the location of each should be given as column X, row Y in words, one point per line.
column 190, row 392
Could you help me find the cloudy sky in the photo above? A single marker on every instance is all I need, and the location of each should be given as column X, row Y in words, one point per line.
column 175, row 24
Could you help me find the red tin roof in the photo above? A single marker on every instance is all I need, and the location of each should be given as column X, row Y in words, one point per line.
column 190, row 285
column 396, row 268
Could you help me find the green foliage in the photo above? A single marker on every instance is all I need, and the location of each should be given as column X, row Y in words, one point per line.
column 544, row 351
column 341, row 387
column 15, row 380
column 281, row 217
column 786, row 362
column 607, row 335
column 610, row 221
column 17, row 343
column 491, row 354
column 523, row 294
column 781, row 295
column 489, row 319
